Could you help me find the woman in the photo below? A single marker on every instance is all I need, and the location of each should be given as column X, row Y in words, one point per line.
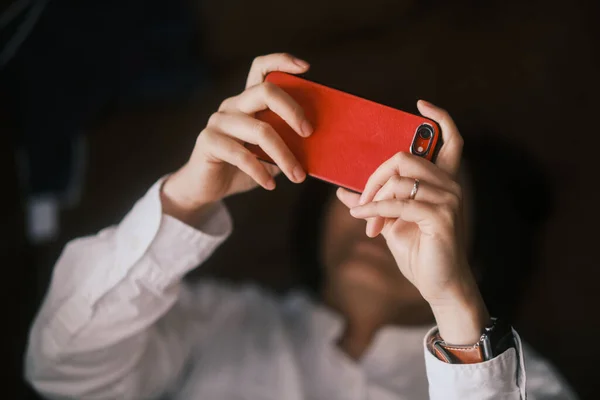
column 118, row 322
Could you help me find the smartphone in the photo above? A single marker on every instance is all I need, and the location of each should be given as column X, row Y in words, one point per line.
column 352, row 136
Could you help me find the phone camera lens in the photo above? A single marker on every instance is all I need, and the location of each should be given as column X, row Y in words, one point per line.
column 425, row 132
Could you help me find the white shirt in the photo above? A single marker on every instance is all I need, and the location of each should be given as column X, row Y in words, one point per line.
column 119, row 323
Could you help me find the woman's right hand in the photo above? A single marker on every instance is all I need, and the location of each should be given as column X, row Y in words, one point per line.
column 220, row 164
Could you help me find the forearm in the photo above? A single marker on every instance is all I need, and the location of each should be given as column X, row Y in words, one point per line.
column 462, row 316
column 461, row 320
column 107, row 293
column 178, row 205
column 503, row 377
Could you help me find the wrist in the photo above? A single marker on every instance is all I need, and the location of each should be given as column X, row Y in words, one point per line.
column 179, row 203
column 462, row 317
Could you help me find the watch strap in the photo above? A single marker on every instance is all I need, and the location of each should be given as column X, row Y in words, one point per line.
column 495, row 340
column 454, row 354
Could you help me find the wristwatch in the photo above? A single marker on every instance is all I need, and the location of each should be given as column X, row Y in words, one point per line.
column 495, row 339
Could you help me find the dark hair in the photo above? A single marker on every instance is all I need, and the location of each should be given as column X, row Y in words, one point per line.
column 511, row 200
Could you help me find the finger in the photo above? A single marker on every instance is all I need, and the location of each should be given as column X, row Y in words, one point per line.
column 348, row 198
column 450, row 154
column 388, row 191
column 376, row 224
column 429, row 217
column 399, row 187
column 404, row 164
column 223, row 147
column 284, row 62
column 269, row 96
column 273, row 169
column 250, row 130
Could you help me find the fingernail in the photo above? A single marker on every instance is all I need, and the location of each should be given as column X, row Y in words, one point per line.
column 270, row 185
column 306, row 128
column 425, row 103
column 354, row 211
column 298, row 173
column 301, row 63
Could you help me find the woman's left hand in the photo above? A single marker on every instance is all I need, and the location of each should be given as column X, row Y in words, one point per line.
column 425, row 234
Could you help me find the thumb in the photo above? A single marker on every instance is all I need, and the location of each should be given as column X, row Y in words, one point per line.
column 348, row 198
column 450, row 154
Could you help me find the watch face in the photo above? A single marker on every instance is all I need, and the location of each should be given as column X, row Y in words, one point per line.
column 486, row 347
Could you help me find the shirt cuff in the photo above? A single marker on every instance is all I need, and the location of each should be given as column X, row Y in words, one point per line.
column 156, row 248
column 178, row 247
column 502, row 377
column 147, row 248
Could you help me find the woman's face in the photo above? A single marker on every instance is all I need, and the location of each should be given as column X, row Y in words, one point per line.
column 359, row 269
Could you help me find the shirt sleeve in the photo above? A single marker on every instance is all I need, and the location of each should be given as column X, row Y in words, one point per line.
column 111, row 324
column 502, row 378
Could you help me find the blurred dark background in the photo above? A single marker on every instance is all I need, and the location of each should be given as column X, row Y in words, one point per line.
column 103, row 98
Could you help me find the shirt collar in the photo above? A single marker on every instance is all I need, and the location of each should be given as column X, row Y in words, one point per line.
column 391, row 339
column 320, row 318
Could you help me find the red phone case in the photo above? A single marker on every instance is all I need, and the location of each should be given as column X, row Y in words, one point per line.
column 352, row 136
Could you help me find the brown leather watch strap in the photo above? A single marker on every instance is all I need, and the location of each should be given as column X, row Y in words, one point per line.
column 455, row 354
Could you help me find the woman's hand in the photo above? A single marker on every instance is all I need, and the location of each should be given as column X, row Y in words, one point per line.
column 220, row 165
column 425, row 234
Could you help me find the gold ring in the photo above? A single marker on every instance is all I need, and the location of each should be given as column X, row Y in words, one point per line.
column 415, row 189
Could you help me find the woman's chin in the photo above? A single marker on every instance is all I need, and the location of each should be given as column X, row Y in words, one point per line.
column 377, row 281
